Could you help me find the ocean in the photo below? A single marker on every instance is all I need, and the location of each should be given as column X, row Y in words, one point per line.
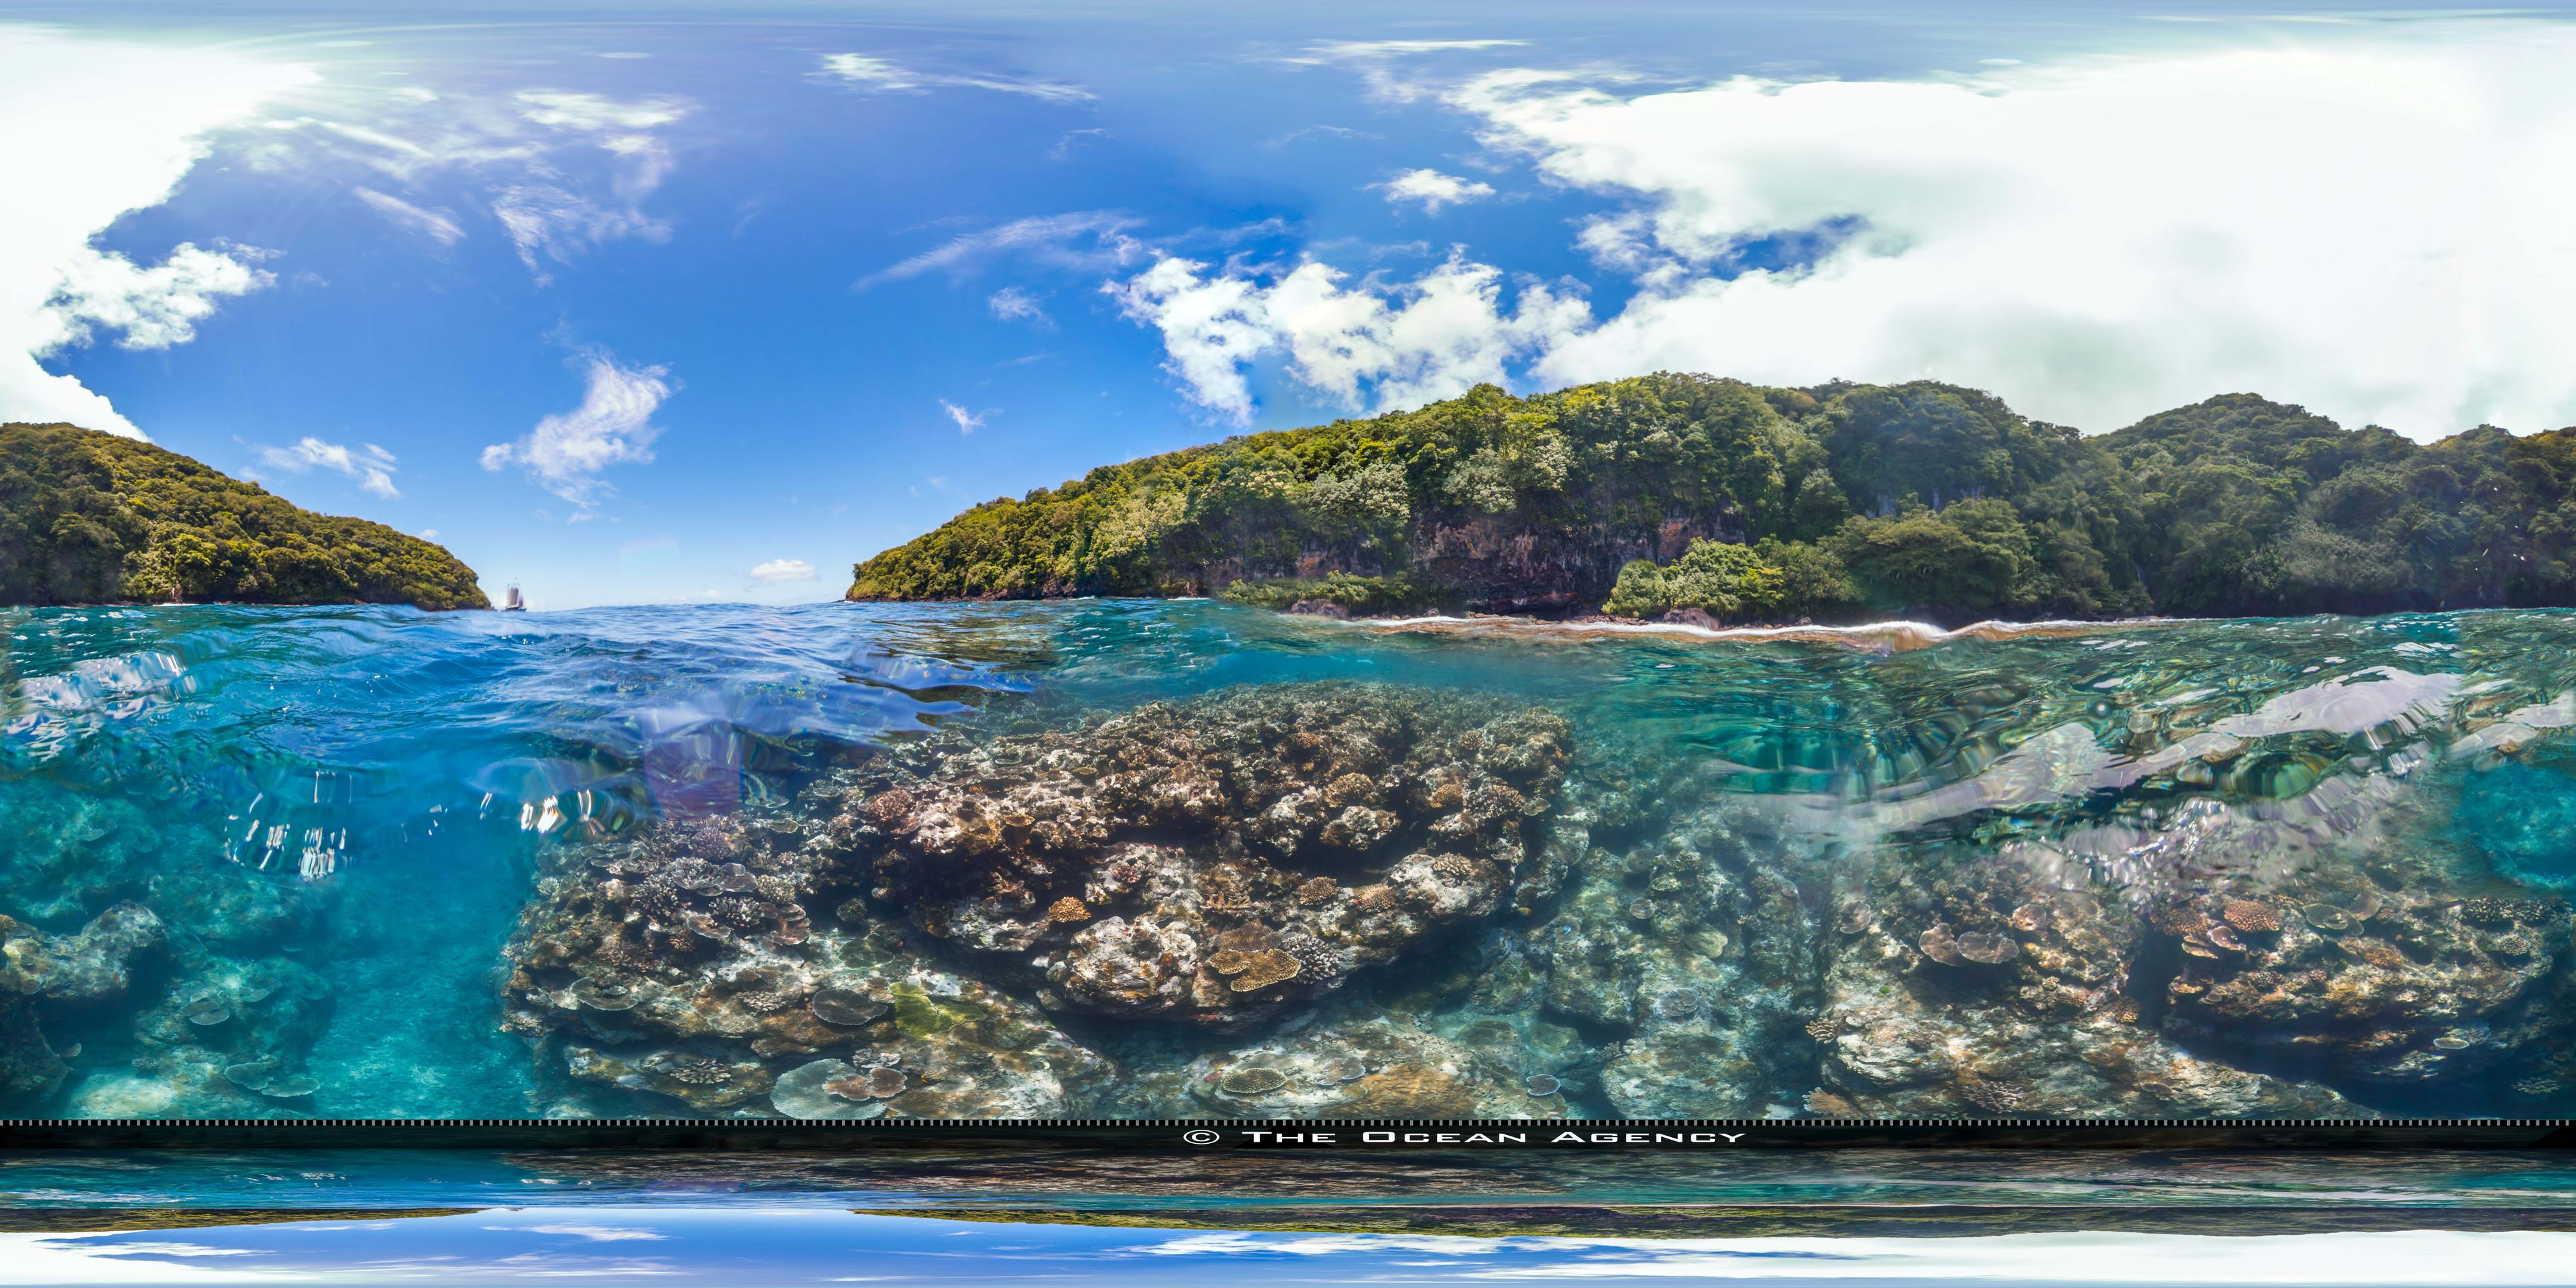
column 1169, row 859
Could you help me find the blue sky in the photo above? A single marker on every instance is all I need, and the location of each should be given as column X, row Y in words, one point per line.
column 742, row 1245
column 699, row 303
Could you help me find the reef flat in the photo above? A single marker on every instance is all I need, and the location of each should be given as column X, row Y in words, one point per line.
column 1148, row 859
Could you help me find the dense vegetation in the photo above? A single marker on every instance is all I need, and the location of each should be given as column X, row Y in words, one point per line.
column 1672, row 492
column 90, row 518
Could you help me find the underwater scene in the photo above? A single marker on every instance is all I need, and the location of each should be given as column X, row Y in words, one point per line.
column 1188, row 859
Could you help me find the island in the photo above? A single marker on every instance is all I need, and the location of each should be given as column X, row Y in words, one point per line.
column 1705, row 499
column 92, row 518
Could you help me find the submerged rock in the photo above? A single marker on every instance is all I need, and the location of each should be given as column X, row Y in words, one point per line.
column 1942, row 1022
column 1217, row 860
column 615, row 973
column 1355, row 1067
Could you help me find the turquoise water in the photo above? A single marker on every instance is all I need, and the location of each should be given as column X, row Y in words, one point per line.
column 371, row 862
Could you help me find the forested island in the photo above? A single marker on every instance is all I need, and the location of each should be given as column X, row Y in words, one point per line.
column 1683, row 495
column 91, row 518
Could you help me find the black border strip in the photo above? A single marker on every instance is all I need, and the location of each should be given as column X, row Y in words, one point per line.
column 693, row 1134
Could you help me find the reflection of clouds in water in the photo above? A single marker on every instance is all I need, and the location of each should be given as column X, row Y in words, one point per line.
column 2400, row 1257
column 731, row 1247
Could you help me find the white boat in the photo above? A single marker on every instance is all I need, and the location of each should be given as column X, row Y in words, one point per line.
column 511, row 603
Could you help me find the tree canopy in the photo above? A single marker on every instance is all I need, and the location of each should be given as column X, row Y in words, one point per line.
column 1839, row 500
column 89, row 518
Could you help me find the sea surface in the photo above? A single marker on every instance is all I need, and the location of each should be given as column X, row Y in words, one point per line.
column 350, row 862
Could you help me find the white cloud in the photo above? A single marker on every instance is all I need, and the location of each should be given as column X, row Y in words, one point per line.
column 124, row 123
column 560, row 224
column 562, row 171
column 967, row 421
column 1333, row 50
column 878, row 74
column 1011, row 304
column 429, row 534
column 437, row 225
column 568, row 451
column 1371, row 342
column 593, row 1233
column 1376, row 60
column 1079, row 240
column 1433, row 189
column 778, row 570
column 595, row 114
column 370, row 465
column 2367, row 220
column 2078, row 1257
column 155, row 307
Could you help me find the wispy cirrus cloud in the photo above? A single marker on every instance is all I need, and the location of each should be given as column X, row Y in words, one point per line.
column 560, row 171
column 1012, row 304
column 437, row 225
column 967, row 422
column 1379, row 61
column 878, row 74
column 1089, row 240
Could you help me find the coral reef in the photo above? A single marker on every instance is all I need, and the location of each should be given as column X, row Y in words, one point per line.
column 1354, row 1065
column 1220, row 860
column 681, row 960
column 1928, row 1013
column 2384, row 974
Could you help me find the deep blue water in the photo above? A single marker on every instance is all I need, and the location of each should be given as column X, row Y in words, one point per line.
column 337, row 816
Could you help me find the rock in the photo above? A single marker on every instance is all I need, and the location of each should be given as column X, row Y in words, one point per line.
column 2396, row 982
column 1229, row 856
column 615, row 972
column 90, row 966
column 1319, row 608
column 1921, row 1024
column 1356, row 1067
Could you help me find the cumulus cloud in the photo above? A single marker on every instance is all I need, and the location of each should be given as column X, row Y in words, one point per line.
column 2370, row 221
column 1011, row 304
column 124, row 123
column 778, row 570
column 1432, row 189
column 568, row 451
column 879, row 74
column 154, row 307
column 437, row 225
column 370, row 465
column 967, row 421
column 1370, row 342
column 1079, row 240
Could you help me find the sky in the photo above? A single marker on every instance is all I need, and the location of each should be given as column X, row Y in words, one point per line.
column 732, row 1246
column 667, row 302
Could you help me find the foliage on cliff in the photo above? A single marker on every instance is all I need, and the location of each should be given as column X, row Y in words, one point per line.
column 1920, row 498
column 92, row 518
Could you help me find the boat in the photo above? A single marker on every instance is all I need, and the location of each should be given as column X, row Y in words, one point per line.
column 511, row 603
